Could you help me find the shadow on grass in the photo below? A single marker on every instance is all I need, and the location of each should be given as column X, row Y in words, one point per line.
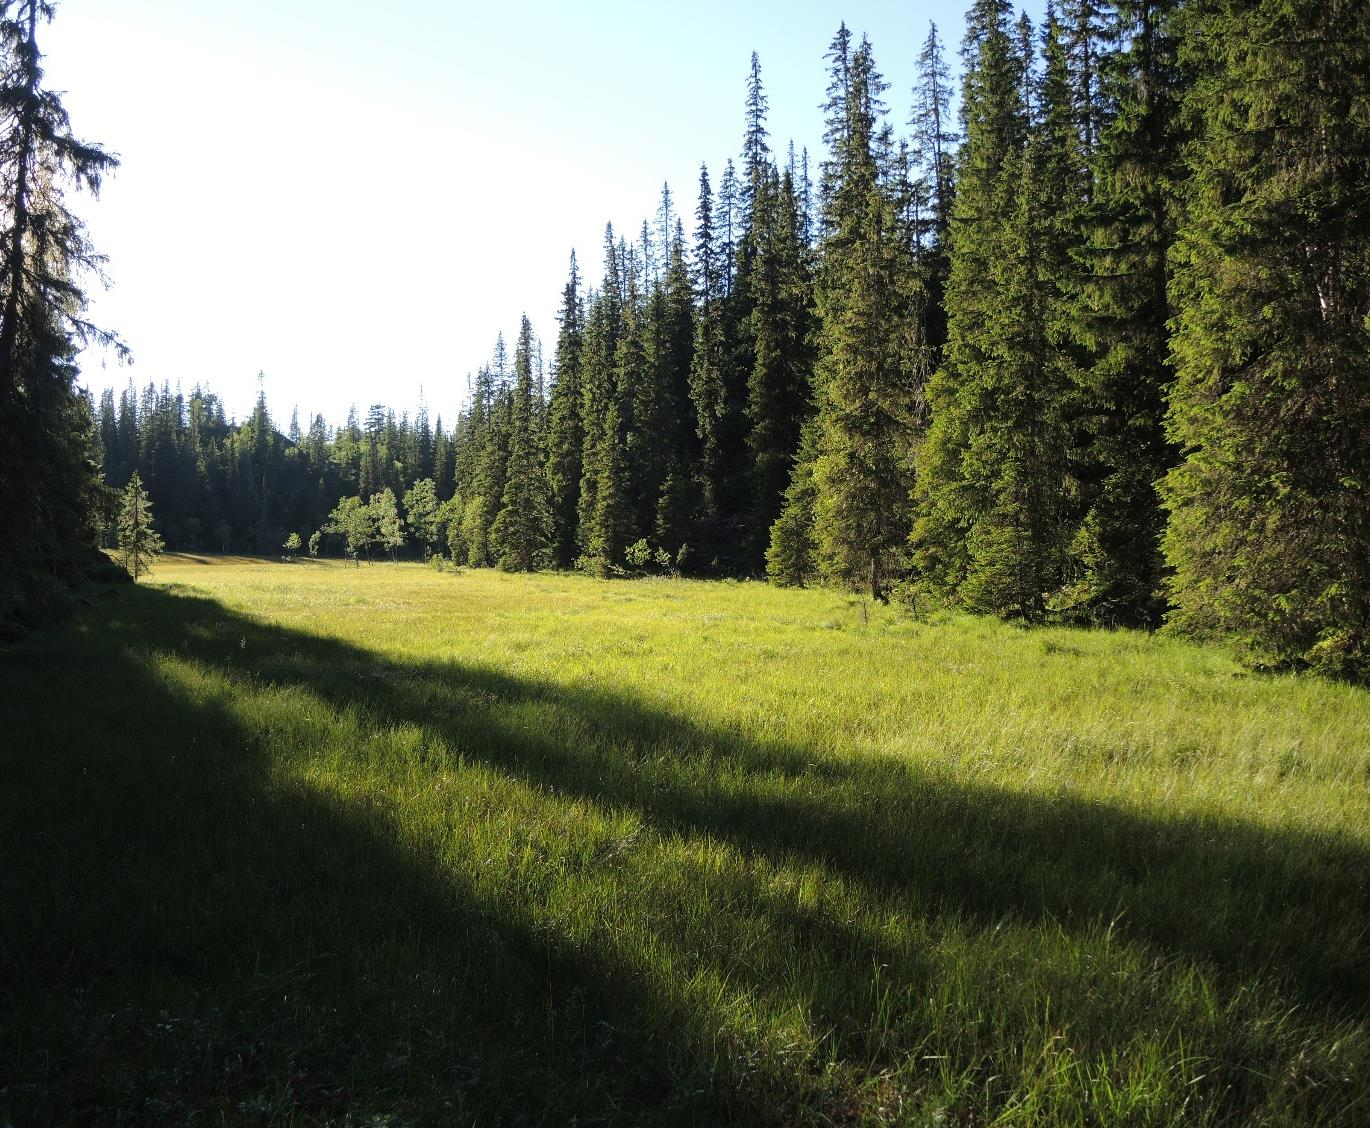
column 195, row 934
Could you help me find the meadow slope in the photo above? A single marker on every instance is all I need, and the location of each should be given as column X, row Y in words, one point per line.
column 307, row 844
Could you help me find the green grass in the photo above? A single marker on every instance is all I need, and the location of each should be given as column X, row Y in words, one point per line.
column 308, row 844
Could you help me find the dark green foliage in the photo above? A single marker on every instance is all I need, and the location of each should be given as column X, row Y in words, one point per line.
column 645, row 378
column 610, row 529
column 792, row 555
column 676, row 512
column 995, row 516
column 603, row 326
column 1128, row 228
column 206, row 474
column 837, row 122
column 565, row 426
column 1087, row 26
column 489, row 436
column 716, row 393
column 782, row 330
column 1269, row 530
column 49, row 493
column 933, row 187
column 872, row 355
column 933, row 138
column 444, row 469
column 520, row 538
column 612, row 524
column 677, row 502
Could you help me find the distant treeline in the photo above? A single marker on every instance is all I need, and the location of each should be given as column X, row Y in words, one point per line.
column 1098, row 351
column 245, row 487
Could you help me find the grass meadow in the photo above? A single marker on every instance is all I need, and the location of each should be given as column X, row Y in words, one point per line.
column 307, row 844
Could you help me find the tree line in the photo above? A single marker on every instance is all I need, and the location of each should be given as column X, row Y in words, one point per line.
column 1094, row 350
column 227, row 486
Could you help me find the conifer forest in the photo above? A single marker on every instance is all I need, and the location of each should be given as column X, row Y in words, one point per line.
column 893, row 652
column 1092, row 350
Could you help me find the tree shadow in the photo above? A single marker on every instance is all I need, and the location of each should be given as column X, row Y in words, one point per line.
column 897, row 828
column 185, row 934
column 202, row 934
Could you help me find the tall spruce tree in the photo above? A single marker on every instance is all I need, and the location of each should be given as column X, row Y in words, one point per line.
column 872, row 356
column 934, row 141
column 994, row 519
column 837, row 117
column 1123, row 311
column 645, row 373
column 48, row 487
column 521, row 536
column 603, row 435
column 565, row 427
column 1269, row 532
column 709, row 392
column 627, row 497
column 1087, row 25
column 444, row 468
column 487, row 439
column 613, row 359
column 678, row 502
column 782, row 331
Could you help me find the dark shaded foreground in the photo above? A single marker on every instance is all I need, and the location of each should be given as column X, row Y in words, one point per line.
column 185, row 936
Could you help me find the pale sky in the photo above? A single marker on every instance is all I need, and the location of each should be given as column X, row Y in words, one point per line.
column 355, row 199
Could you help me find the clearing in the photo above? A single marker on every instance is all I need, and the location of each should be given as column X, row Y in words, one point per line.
column 313, row 844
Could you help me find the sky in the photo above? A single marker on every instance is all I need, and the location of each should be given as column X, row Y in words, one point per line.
column 355, row 199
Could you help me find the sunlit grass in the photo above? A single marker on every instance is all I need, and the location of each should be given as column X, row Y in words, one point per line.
column 303, row 842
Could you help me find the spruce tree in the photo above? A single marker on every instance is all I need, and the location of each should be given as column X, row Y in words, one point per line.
column 872, row 356
column 48, row 487
column 934, row 142
column 565, row 433
column 520, row 538
column 1269, row 533
column 1123, row 309
column 710, row 361
column 677, row 503
column 646, row 381
column 933, row 136
column 782, row 332
column 994, row 513
column 756, row 153
column 603, row 327
column 837, row 118
column 490, row 442
column 444, row 468
column 138, row 542
column 1086, row 27
column 613, row 524
column 792, row 555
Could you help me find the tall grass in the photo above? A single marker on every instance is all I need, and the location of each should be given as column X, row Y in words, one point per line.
column 306, row 844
